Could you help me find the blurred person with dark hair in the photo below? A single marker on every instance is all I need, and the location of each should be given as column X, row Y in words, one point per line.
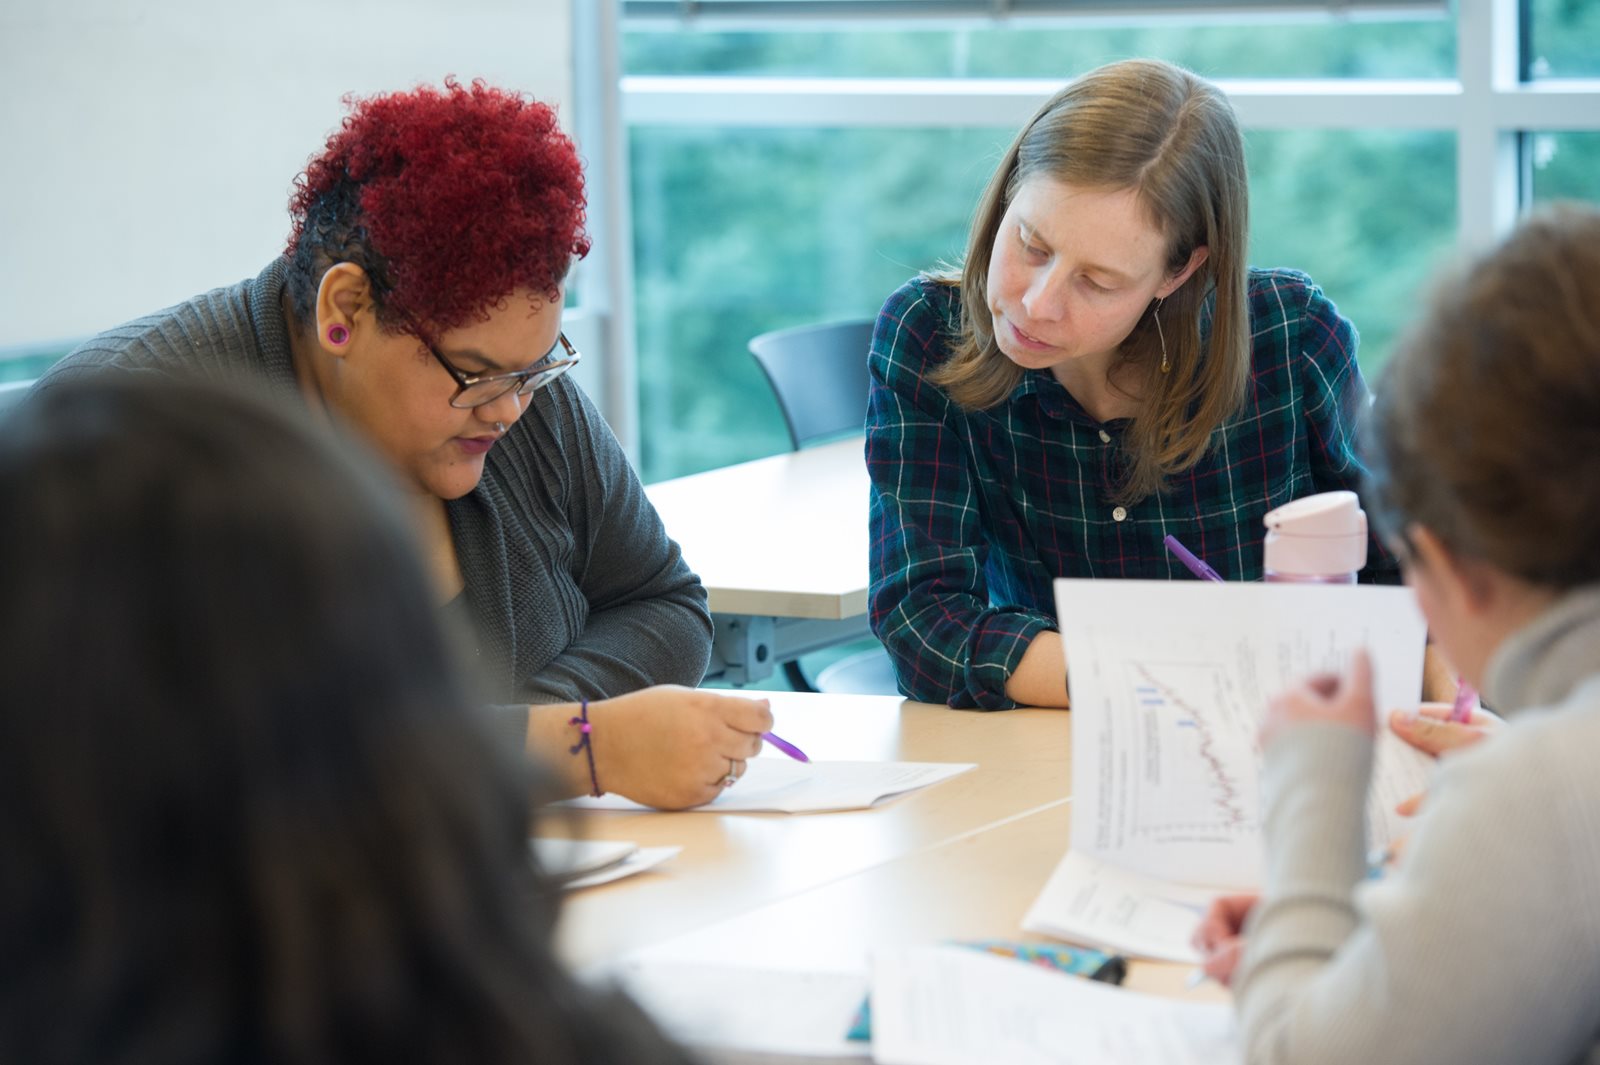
column 1483, row 943
column 245, row 810
column 419, row 302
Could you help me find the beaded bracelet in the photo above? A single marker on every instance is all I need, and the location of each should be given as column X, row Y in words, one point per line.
column 585, row 744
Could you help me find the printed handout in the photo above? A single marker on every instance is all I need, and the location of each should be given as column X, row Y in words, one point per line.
column 1165, row 759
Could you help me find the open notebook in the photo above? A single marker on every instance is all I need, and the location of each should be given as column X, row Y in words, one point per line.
column 1169, row 682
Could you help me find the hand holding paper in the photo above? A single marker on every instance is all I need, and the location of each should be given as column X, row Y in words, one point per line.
column 1325, row 697
column 1220, row 936
column 1166, row 752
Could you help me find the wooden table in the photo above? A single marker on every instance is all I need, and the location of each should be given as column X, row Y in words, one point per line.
column 735, row 863
column 962, row 859
column 808, row 511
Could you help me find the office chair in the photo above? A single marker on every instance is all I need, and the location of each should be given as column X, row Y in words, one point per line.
column 819, row 375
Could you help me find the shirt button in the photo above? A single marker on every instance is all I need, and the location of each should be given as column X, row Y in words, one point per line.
column 1119, row 513
column 1105, row 438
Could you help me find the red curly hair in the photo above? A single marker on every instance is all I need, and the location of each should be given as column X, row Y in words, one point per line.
column 449, row 199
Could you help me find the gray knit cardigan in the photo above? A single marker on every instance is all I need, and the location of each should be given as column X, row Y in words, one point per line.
column 573, row 586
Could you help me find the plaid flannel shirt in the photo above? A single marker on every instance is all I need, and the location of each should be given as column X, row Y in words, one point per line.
column 974, row 513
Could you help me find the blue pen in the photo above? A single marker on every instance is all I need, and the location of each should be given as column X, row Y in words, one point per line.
column 786, row 747
column 1196, row 566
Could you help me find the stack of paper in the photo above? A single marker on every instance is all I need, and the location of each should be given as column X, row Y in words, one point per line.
column 738, row 1013
column 950, row 1006
column 947, row 1005
column 579, row 863
column 1169, row 683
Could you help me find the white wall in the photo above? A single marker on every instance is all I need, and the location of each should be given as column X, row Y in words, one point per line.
column 147, row 149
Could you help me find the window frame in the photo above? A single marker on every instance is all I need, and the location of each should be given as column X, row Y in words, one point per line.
column 1488, row 106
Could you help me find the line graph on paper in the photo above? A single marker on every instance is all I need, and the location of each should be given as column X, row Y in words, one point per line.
column 1195, row 759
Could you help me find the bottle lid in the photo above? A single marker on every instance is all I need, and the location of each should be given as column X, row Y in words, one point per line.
column 1319, row 536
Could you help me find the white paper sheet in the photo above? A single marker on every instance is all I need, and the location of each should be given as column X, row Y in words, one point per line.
column 948, row 1006
column 1169, row 684
column 1093, row 902
column 767, row 1010
column 563, row 859
column 581, row 863
column 640, row 861
column 779, row 785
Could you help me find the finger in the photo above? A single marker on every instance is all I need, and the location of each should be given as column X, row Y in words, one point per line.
column 1221, row 963
column 1237, row 909
column 1396, row 849
column 692, row 796
column 1409, row 807
column 1358, row 678
column 736, row 743
column 1223, row 919
column 1432, row 735
column 753, row 716
column 1211, row 930
column 1481, row 718
column 1322, row 684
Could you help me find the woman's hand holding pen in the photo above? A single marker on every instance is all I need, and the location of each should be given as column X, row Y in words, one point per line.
column 1452, row 720
column 1430, row 730
column 1220, row 937
column 672, row 747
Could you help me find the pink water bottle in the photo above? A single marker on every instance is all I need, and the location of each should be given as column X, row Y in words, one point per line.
column 1321, row 539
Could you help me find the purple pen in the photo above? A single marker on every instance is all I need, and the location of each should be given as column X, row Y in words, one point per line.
column 1461, row 709
column 786, row 747
column 1195, row 565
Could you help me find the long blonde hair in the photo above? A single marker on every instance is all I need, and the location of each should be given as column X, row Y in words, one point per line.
column 1172, row 138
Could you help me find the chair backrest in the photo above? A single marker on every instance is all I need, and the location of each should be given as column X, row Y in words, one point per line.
column 819, row 374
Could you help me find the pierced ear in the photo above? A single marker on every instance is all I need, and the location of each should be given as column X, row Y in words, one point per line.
column 344, row 300
column 1175, row 282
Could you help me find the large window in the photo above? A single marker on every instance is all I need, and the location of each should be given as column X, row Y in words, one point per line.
column 757, row 206
column 738, row 230
column 1565, row 166
column 1423, row 48
column 1563, row 38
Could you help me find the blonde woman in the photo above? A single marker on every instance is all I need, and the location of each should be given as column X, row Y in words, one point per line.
column 1103, row 370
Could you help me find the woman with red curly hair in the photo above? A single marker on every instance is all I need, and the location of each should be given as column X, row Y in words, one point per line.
column 419, row 304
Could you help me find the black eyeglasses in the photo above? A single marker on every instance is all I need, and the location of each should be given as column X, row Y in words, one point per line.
column 474, row 390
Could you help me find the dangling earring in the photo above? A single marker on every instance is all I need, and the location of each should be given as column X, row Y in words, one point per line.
column 500, row 427
column 1166, row 364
